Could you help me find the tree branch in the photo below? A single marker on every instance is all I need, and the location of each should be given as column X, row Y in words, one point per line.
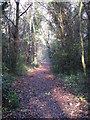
column 76, row 15
column 85, row 7
column 9, row 19
column 25, row 10
column 87, row 10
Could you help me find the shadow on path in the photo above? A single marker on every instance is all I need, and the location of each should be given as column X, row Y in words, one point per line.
column 42, row 96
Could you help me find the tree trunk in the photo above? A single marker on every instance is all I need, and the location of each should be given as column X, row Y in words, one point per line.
column 16, row 27
column 9, row 40
column 29, row 57
column 34, row 37
column 60, row 19
column 16, row 34
column 82, row 43
column 35, row 44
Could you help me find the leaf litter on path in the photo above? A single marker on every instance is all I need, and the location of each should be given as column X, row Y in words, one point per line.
column 43, row 97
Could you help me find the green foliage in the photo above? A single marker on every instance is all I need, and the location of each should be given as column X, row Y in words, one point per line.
column 9, row 97
column 13, row 99
column 66, row 59
column 75, row 82
column 33, row 65
column 9, row 57
column 20, row 65
column 66, row 50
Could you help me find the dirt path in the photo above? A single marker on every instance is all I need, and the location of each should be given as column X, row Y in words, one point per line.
column 42, row 96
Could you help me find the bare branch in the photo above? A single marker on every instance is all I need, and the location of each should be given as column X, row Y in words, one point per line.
column 25, row 10
column 76, row 15
column 87, row 10
column 9, row 19
column 85, row 7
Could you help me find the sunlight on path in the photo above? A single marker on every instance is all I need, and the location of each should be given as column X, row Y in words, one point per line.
column 43, row 96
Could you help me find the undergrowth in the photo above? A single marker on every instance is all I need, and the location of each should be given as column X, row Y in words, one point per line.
column 10, row 99
column 22, row 68
column 75, row 83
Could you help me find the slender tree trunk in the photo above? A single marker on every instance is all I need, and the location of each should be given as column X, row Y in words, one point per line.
column 35, row 45
column 9, row 39
column 30, row 50
column 16, row 28
column 34, row 37
column 60, row 19
column 29, row 56
column 9, row 46
column 82, row 43
column 16, row 35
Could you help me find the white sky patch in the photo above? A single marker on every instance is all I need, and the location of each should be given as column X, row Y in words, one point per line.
column 45, row 1
column 21, row 1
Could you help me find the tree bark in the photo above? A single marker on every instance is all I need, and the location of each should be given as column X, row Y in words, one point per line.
column 9, row 40
column 60, row 19
column 29, row 57
column 35, row 44
column 16, row 28
column 82, row 43
column 34, row 36
column 16, row 35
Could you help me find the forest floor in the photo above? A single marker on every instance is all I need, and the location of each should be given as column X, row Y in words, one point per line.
column 43, row 96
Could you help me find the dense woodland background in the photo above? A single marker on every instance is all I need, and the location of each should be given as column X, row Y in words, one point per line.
column 54, row 32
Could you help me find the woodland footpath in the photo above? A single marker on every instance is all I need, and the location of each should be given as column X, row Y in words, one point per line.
column 45, row 59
